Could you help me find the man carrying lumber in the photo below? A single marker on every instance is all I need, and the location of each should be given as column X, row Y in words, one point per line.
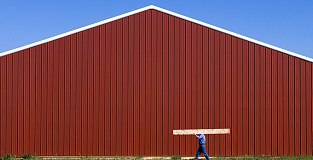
column 201, row 148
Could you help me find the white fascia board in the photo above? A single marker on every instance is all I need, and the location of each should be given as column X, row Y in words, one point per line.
column 167, row 12
column 75, row 31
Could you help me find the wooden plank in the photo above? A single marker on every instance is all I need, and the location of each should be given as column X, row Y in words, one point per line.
column 201, row 131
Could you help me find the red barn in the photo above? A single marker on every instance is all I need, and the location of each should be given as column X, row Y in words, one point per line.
column 121, row 86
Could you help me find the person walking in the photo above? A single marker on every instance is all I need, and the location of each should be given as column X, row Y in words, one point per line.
column 201, row 148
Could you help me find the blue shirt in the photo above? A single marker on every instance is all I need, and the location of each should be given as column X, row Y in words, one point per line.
column 201, row 139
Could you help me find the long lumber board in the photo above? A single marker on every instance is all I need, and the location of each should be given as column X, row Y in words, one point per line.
column 201, row 131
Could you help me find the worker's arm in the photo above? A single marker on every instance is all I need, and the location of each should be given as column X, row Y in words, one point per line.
column 196, row 135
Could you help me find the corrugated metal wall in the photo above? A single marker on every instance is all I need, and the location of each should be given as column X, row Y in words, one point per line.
column 122, row 87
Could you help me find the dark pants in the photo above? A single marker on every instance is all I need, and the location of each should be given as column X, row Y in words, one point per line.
column 201, row 149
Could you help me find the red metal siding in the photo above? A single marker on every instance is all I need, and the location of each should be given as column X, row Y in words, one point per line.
column 122, row 87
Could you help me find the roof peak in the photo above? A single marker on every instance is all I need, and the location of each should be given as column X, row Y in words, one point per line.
column 164, row 11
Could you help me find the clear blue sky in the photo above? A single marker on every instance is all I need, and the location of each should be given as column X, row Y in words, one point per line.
column 286, row 24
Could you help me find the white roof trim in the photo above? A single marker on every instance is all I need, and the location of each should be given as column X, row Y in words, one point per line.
column 167, row 12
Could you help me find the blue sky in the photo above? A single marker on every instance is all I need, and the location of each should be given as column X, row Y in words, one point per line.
column 283, row 23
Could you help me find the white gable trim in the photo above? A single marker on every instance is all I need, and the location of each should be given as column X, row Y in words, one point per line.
column 161, row 10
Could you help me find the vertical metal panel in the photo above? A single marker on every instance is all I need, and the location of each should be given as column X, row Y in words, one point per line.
column 240, row 97
column 251, row 95
column 285, row 106
column 154, row 126
column 268, row 100
column 303, row 109
column 205, row 48
column 291, row 106
column 176, row 99
column 137, row 86
column 188, row 87
column 217, row 106
column 3, row 118
column 222, row 95
column 308, row 91
column 234, row 97
column 113, row 88
column 73, row 96
column 297, row 106
column 245, row 97
column 121, row 88
column 142, row 94
column 280, row 110
column 159, row 88
column 263, row 101
column 182, row 76
column 228, row 97
column 257, row 100
column 130, row 92
column 211, row 89
column 274, row 103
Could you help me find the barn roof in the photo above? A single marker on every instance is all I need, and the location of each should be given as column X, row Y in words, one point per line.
column 164, row 11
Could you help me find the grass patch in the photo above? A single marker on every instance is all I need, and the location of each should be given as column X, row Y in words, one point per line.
column 175, row 157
